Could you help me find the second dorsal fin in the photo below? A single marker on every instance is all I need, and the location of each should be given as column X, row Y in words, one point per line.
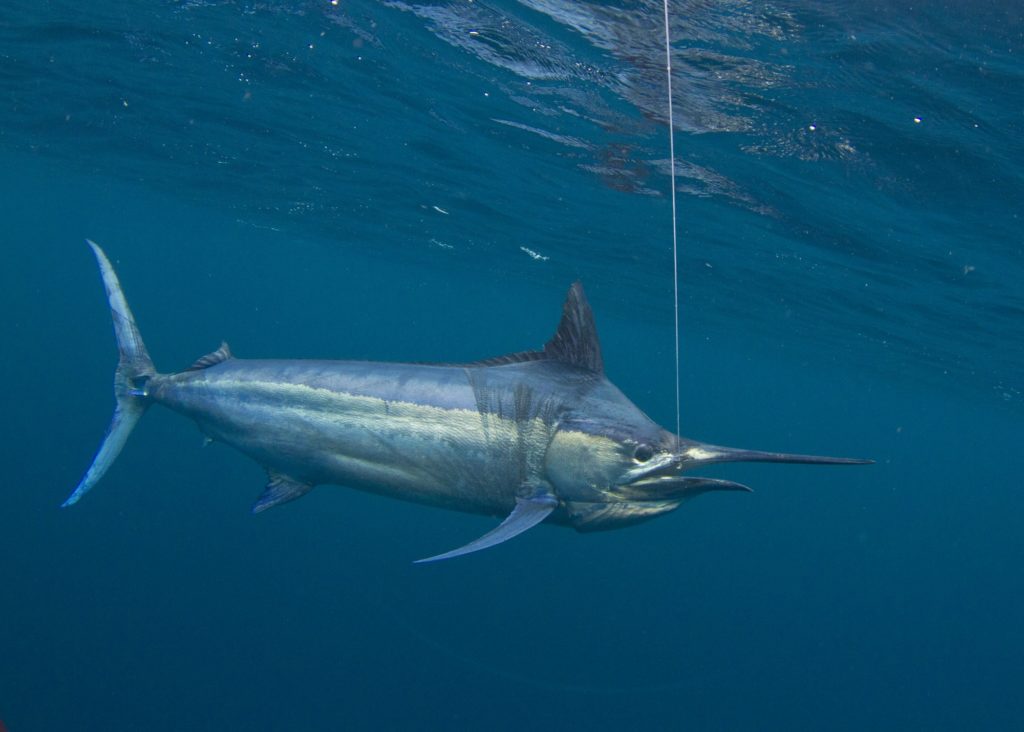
column 575, row 342
column 213, row 358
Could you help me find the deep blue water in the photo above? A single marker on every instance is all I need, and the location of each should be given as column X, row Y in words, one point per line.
column 421, row 181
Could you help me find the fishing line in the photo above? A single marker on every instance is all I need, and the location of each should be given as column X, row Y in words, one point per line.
column 672, row 194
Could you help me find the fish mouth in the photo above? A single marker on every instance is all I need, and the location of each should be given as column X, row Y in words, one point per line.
column 661, row 477
column 679, row 487
column 666, row 466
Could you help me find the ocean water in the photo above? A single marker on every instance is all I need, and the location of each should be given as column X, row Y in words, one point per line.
column 422, row 181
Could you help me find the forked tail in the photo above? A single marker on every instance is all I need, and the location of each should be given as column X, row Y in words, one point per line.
column 133, row 370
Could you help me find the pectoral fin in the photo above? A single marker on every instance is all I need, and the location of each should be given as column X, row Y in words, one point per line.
column 280, row 489
column 528, row 513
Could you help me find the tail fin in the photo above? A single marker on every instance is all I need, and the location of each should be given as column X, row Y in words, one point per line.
column 133, row 370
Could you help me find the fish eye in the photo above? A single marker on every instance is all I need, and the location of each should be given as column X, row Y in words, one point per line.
column 642, row 453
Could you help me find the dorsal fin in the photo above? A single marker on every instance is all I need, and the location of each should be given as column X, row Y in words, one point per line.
column 518, row 357
column 213, row 358
column 575, row 342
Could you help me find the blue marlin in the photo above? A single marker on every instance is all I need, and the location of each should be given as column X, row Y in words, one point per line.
column 531, row 436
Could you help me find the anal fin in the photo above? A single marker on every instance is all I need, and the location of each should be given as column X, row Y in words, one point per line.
column 528, row 513
column 280, row 489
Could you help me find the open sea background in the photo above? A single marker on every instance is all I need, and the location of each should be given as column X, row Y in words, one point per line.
column 421, row 180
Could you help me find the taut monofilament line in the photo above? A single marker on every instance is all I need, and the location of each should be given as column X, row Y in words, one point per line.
column 672, row 196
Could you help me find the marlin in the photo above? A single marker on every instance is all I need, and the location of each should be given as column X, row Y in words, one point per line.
column 531, row 436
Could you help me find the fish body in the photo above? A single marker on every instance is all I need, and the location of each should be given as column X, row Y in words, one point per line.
column 424, row 433
column 532, row 436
